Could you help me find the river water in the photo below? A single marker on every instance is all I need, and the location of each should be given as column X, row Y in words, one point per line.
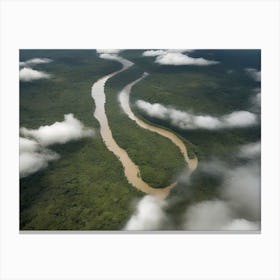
column 131, row 170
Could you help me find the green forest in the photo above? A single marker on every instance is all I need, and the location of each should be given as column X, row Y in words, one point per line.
column 86, row 188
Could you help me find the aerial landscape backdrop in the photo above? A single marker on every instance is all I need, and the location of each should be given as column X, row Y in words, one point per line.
column 143, row 140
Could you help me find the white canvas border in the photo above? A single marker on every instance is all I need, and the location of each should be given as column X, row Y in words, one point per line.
column 133, row 24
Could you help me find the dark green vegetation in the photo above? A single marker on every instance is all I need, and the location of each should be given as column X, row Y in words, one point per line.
column 210, row 90
column 68, row 91
column 86, row 188
column 213, row 90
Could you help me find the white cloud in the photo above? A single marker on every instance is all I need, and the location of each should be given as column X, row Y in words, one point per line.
column 242, row 190
column 182, row 59
column 214, row 167
column 149, row 214
column 34, row 61
column 240, row 186
column 126, row 63
column 208, row 215
column 59, row 132
column 27, row 145
column 108, row 51
column 109, row 56
column 241, row 224
column 179, row 50
column 238, row 206
column 185, row 120
column 112, row 54
column 241, row 193
column 32, row 157
column 250, row 150
column 239, row 119
column 163, row 52
column 28, row 74
column 176, row 57
column 254, row 73
column 33, row 154
column 154, row 52
column 153, row 110
column 256, row 99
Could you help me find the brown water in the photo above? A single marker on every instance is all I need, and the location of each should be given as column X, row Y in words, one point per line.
column 131, row 170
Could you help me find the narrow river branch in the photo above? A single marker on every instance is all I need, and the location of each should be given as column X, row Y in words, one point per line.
column 131, row 170
column 124, row 97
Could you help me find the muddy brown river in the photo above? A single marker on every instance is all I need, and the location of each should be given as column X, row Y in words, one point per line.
column 131, row 170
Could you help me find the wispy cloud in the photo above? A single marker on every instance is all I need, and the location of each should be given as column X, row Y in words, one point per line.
column 256, row 100
column 254, row 74
column 154, row 52
column 177, row 57
column 185, row 120
column 59, row 132
column 251, row 150
column 237, row 206
column 149, row 214
column 33, row 157
column 34, row 61
column 108, row 51
column 182, row 59
column 29, row 74
column 242, row 190
column 208, row 215
column 163, row 52
column 126, row 63
column 109, row 56
column 241, row 224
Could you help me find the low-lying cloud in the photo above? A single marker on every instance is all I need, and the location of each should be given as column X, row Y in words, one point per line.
column 149, row 214
column 185, row 120
column 59, row 132
column 208, row 215
column 251, row 150
column 182, row 59
column 109, row 56
column 154, row 52
column 126, row 63
column 34, row 61
column 241, row 224
column 254, row 74
column 256, row 100
column 163, row 52
column 177, row 57
column 33, row 157
column 242, row 190
column 237, row 206
column 108, row 51
column 27, row 74
column 33, row 154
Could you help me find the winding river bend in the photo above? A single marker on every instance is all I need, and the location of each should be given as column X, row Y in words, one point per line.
column 131, row 170
column 124, row 101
